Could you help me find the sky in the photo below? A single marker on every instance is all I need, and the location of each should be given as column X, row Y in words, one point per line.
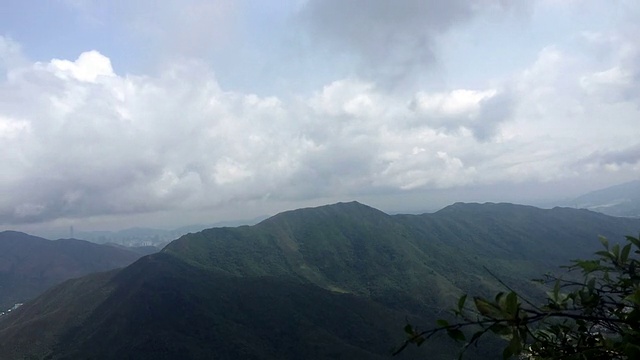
column 146, row 113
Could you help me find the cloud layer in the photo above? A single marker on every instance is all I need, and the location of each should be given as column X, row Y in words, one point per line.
column 83, row 140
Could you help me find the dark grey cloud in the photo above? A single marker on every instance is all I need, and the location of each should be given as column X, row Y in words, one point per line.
column 391, row 41
column 493, row 111
column 616, row 157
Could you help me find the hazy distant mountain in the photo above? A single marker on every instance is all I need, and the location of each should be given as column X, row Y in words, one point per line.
column 618, row 200
column 29, row 264
column 136, row 237
column 141, row 250
column 330, row 282
column 146, row 237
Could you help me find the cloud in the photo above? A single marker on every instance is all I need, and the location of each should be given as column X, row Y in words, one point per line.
column 163, row 32
column 193, row 28
column 85, row 140
column 619, row 80
column 480, row 111
column 391, row 42
column 611, row 159
column 88, row 67
column 10, row 54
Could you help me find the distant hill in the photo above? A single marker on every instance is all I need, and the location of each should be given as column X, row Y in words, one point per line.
column 29, row 265
column 148, row 237
column 141, row 250
column 618, row 200
column 335, row 281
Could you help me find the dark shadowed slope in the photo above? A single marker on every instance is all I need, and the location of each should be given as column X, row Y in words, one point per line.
column 163, row 308
column 328, row 282
column 29, row 264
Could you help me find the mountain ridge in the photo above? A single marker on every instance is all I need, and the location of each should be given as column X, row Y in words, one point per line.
column 618, row 200
column 344, row 256
column 30, row 264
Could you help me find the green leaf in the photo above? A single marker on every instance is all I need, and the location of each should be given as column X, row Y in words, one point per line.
column 591, row 284
column 635, row 297
column 624, row 255
column 461, row 302
column 604, row 242
column 512, row 304
column 506, row 353
column 456, row 334
column 634, row 241
column 632, row 351
column 408, row 329
column 605, row 254
column 588, row 266
column 515, row 346
column 556, row 290
column 500, row 329
column 485, row 308
column 616, row 251
column 442, row 323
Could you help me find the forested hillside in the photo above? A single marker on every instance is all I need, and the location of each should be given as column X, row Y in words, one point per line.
column 337, row 281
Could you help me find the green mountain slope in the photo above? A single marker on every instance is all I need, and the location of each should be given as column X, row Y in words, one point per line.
column 29, row 264
column 406, row 261
column 328, row 282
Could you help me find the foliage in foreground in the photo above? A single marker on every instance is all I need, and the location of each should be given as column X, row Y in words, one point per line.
column 597, row 317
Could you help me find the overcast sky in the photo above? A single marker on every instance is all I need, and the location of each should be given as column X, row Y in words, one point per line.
column 166, row 113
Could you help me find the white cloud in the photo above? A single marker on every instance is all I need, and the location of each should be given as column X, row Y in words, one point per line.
column 481, row 112
column 88, row 67
column 350, row 98
column 92, row 142
column 86, row 140
column 461, row 102
column 228, row 171
column 11, row 128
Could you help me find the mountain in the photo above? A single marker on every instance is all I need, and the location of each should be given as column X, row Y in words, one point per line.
column 163, row 308
column 148, row 237
column 354, row 248
column 618, row 200
column 141, row 250
column 336, row 281
column 29, row 265
column 136, row 237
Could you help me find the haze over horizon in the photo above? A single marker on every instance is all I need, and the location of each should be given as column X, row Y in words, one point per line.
column 120, row 114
